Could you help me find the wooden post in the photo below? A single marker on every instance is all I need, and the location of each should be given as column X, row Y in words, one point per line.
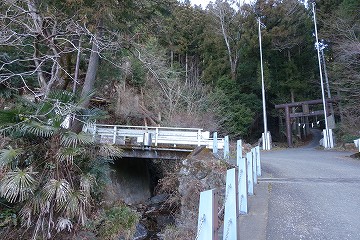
column 288, row 126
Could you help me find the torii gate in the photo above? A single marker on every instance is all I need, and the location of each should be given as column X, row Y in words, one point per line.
column 305, row 112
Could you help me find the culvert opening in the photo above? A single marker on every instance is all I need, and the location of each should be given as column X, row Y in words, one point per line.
column 135, row 181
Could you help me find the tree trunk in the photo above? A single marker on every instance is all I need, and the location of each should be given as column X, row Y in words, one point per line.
column 90, row 78
column 89, row 82
column 186, row 68
column 77, row 66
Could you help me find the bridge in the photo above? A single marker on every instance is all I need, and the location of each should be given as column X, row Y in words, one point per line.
column 154, row 142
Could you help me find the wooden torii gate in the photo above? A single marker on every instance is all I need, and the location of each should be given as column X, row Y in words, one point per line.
column 305, row 113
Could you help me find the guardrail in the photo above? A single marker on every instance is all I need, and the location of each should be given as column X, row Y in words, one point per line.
column 153, row 136
column 357, row 144
column 239, row 184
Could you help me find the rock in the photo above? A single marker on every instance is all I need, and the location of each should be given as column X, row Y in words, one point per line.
column 141, row 232
column 164, row 220
column 160, row 236
column 85, row 235
column 157, row 200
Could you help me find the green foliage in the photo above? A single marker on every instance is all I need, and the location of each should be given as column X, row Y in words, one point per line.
column 236, row 111
column 239, row 120
column 7, row 217
column 347, row 138
column 138, row 74
column 117, row 221
column 8, row 156
column 72, row 139
column 52, row 173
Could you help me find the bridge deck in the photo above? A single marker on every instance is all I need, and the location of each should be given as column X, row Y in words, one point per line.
column 153, row 142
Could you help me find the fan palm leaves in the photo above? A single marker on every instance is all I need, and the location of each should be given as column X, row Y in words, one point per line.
column 38, row 129
column 70, row 173
column 63, row 223
column 76, row 205
column 57, row 190
column 72, row 139
column 8, row 156
column 18, row 185
column 110, row 151
column 32, row 208
column 67, row 154
column 87, row 181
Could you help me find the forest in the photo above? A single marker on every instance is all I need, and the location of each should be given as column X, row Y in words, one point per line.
column 153, row 63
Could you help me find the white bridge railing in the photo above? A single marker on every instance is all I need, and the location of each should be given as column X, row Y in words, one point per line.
column 153, row 136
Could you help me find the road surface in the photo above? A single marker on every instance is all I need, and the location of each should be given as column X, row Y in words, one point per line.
column 305, row 193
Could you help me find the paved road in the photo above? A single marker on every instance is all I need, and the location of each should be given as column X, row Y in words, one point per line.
column 311, row 194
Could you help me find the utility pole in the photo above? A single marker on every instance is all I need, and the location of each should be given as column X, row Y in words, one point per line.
column 266, row 137
column 328, row 143
column 326, row 77
column 325, row 72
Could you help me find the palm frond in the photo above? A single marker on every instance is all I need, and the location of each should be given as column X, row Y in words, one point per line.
column 76, row 205
column 18, row 185
column 38, row 129
column 110, row 151
column 36, row 206
column 26, row 216
column 61, row 95
column 8, row 156
column 67, row 154
column 58, row 190
column 87, row 181
column 71, row 139
column 63, row 223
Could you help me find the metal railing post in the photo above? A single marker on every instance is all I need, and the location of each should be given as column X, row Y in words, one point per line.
column 239, row 149
column 114, row 137
column 331, row 138
column 156, row 136
column 242, row 188
column 231, row 228
column 250, row 177
column 199, row 137
column 258, row 161
column 254, row 163
column 215, row 143
column 226, row 148
column 207, row 227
